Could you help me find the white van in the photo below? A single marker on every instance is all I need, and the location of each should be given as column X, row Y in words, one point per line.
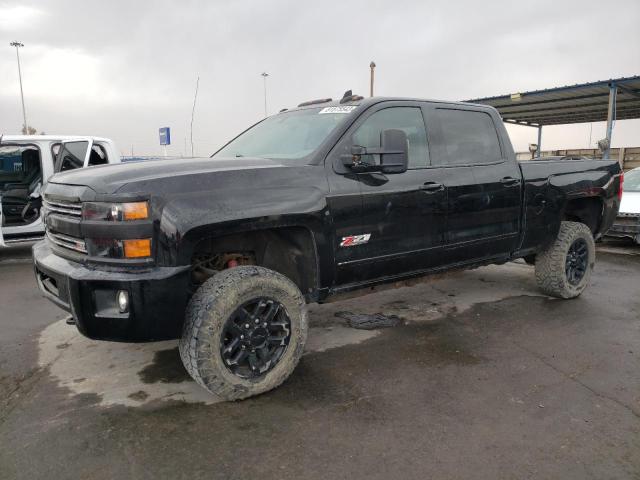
column 26, row 163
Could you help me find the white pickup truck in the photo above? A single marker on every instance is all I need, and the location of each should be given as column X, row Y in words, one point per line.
column 26, row 163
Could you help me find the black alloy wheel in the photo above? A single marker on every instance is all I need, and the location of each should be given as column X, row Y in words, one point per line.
column 255, row 337
column 577, row 261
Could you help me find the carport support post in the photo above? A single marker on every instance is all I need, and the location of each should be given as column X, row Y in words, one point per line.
column 539, row 153
column 611, row 113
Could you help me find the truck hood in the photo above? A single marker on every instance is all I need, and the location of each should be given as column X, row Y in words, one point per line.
column 630, row 202
column 110, row 178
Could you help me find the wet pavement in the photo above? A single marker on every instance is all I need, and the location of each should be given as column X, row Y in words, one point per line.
column 482, row 377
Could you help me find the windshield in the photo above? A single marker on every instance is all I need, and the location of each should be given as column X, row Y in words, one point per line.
column 632, row 181
column 288, row 135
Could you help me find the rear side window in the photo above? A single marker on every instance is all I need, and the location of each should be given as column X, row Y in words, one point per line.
column 98, row 156
column 408, row 119
column 469, row 137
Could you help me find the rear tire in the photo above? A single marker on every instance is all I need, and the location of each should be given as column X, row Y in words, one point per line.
column 212, row 325
column 563, row 269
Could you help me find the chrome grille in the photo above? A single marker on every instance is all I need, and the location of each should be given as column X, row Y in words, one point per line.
column 66, row 241
column 63, row 208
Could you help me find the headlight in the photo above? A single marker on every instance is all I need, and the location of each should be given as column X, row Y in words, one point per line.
column 112, row 248
column 115, row 212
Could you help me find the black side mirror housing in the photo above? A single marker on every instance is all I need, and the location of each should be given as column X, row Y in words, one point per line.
column 394, row 154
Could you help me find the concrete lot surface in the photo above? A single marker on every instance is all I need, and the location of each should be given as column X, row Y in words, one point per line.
column 484, row 378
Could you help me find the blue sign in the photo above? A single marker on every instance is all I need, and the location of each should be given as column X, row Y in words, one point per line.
column 165, row 136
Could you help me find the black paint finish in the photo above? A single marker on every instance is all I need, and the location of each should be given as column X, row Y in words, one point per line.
column 423, row 220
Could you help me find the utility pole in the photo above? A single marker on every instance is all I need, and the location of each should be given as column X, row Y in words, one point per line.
column 372, row 66
column 24, row 112
column 264, row 77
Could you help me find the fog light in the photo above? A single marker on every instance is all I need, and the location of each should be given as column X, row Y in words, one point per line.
column 123, row 301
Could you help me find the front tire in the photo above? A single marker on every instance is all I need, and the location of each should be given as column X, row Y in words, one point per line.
column 563, row 269
column 244, row 332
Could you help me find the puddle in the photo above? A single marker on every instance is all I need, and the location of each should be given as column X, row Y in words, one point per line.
column 166, row 368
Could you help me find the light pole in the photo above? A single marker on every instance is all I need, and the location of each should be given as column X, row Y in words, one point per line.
column 24, row 113
column 372, row 66
column 264, row 77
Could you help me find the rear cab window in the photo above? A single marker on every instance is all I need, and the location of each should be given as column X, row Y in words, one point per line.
column 469, row 137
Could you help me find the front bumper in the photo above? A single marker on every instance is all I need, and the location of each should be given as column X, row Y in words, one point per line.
column 158, row 297
column 626, row 226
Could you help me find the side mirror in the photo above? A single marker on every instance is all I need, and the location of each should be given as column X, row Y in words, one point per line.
column 394, row 157
column 394, row 154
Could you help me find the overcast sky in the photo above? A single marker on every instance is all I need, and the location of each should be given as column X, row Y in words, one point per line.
column 122, row 68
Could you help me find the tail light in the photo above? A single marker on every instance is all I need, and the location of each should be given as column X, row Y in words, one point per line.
column 620, row 186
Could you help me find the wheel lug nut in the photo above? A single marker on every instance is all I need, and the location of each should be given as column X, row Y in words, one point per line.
column 246, row 325
column 241, row 337
column 264, row 324
column 257, row 321
column 244, row 347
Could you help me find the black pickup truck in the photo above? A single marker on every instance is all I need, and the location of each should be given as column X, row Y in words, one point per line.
column 326, row 198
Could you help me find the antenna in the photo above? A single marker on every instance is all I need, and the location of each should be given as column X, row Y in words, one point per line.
column 193, row 110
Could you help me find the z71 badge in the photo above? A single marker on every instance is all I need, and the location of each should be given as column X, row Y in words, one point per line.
column 353, row 240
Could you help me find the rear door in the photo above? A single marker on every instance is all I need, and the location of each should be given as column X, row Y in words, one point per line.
column 484, row 190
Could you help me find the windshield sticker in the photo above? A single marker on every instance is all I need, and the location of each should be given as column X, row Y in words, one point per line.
column 343, row 109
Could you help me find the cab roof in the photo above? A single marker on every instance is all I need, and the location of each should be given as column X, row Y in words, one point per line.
column 368, row 101
column 50, row 138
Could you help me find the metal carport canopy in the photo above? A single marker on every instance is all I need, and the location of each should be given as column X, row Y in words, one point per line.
column 587, row 102
column 583, row 103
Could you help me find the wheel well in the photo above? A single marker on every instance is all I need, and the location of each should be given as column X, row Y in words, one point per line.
column 584, row 210
column 287, row 250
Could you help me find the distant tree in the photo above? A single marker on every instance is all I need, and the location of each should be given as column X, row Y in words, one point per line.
column 28, row 130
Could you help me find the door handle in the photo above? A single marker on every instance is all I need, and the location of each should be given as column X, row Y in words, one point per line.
column 432, row 187
column 510, row 181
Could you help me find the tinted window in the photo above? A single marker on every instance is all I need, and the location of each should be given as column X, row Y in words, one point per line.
column 469, row 137
column 408, row 119
column 71, row 156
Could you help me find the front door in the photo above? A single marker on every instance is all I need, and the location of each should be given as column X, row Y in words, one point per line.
column 402, row 225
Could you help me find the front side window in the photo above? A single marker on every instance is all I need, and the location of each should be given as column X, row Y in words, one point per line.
column 408, row 119
column 287, row 135
column 470, row 137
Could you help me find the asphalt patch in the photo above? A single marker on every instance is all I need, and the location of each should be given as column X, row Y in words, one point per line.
column 365, row 321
